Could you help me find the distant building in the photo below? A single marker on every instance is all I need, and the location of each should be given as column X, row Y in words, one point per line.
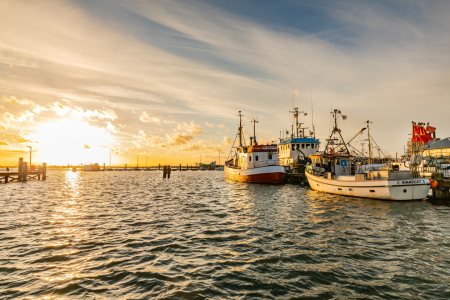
column 438, row 149
column 94, row 167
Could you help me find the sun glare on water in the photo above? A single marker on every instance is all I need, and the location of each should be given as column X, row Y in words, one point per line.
column 73, row 142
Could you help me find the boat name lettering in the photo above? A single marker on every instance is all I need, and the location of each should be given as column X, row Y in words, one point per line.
column 410, row 181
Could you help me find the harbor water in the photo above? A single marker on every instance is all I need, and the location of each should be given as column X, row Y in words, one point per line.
column 135, row 235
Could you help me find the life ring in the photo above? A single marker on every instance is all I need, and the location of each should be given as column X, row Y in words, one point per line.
column 433, row 183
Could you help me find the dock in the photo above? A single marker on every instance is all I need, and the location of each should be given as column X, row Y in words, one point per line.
column 23, row 173
column 442, row 190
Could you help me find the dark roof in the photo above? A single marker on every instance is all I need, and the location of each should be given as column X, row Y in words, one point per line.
column 444, row 143
column 299, row 140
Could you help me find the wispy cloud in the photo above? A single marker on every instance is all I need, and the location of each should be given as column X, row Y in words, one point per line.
column 191, row 127
column 199, row 62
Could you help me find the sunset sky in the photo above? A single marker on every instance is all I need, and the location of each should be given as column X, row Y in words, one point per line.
column 163, row 81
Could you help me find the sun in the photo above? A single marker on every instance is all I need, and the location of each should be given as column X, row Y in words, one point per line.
column 73, row 142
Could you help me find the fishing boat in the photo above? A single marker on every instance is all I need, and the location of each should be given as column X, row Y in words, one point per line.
column 334, row 171
column 296, row 148
column 254, row 163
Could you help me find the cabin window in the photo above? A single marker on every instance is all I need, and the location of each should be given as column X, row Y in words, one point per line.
column 256, row 157
column 249, row 158
column 270, row 155
column 307, row 146
column 293, row 147
column 298, row 146
column 303, row 146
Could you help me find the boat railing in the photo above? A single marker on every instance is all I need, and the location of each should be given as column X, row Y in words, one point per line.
column 259, row 164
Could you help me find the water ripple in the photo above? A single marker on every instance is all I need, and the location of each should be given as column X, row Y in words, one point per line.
column 199, row 236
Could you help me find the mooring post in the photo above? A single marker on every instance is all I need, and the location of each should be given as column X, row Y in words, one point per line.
column 104, row 168
column 180, row 167
column 164, row 171
column 44, row 171
column 24, row 172
column 168, row 171
column 19, row 169
column 159, row 167
column 39, row 172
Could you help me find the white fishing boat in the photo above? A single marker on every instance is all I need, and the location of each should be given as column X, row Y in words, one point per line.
column 333, row 172
column 254, row 163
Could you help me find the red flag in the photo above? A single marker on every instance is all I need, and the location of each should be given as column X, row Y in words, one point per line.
column 429, row 137
column 422, row 130
column 431, row 129
column 419, row 138
column 424, row 138
column 414, row 138
column 416, row 129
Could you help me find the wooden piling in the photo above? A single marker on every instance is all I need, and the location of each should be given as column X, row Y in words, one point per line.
column 168, row 171
column 24, row 172
column 19, row 169
column 44, row 171
column 164, row 171
column 39, row 172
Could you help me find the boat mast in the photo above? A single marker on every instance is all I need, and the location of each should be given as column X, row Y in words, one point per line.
column 368, row 136
column 295, row 112
column 240, row 129
column 254, row 131
column 336, row 129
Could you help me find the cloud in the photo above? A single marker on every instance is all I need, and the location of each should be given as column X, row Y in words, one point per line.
column 143, row 139
column 146, row 118
column 8, row 119
column 227, row 141
column 22, row 140
column 2, row 143
column 86, row 146
column 179, row 139
column 110, row 127
column 80, row 113
column 212, row 125
column 191, row 127
column 14, row 100
column 201, row 146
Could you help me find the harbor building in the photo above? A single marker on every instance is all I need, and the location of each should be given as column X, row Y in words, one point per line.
column 440, row 148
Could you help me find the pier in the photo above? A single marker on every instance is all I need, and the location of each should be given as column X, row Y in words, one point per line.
column 23, row 173
column 441, row 190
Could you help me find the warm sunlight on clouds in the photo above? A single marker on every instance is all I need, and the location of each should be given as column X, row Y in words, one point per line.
column 179, row 139
column 191, row 127
column 80, row 113
column 146, row 118
column 160, row 77
column 73, row 142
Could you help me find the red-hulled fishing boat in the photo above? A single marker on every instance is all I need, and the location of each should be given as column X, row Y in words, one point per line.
column 254, row 163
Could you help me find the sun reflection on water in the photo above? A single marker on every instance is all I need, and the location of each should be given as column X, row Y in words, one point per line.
column 69, row 230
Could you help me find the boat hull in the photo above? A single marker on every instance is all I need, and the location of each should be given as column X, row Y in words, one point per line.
column 405, row 189
column 268, row 174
